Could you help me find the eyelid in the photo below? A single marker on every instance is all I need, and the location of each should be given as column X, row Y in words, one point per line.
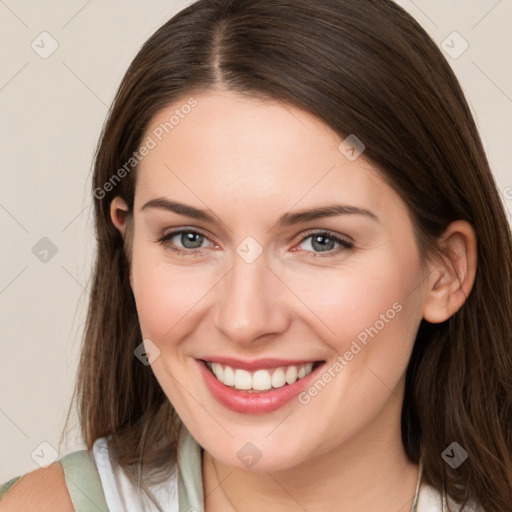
column 324, row 231
column 187, row 229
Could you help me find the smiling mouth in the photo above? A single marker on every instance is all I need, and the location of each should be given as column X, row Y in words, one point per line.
column 260, row 380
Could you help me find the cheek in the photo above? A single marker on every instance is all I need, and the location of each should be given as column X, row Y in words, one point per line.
column 376, row 325
column 374, row 317
column 165, row 294
column 372, row 314
column 351, row 300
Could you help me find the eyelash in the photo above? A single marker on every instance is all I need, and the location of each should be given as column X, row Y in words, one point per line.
column 344, row 244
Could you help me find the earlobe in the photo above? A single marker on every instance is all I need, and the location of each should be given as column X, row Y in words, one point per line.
column 452, row 273
column 119, row 214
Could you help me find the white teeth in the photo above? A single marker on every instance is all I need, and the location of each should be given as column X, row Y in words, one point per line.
column 229, row 376
column 291, row 374
column 243, row 379
column 278, row 378
column 218, row 371
column 260, row 380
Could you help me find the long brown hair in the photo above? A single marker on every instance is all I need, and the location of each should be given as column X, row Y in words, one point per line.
column 365, row 68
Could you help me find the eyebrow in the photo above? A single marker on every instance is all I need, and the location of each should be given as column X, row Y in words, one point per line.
column 288, row 219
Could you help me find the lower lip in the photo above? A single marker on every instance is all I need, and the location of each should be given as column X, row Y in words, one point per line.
column 254, row 403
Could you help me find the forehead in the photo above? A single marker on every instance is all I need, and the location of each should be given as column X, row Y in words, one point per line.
column 257, row 155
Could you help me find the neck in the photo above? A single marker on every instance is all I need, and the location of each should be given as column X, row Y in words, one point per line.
column 368, row 472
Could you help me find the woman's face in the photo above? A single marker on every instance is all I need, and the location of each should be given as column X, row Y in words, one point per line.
column 266, row 293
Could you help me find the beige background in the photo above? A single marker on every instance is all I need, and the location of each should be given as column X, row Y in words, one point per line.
column 52, row 111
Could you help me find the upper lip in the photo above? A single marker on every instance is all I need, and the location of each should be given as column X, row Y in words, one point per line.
column 256, row 364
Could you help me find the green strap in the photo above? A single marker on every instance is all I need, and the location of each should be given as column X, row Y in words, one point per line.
column 190, row 480
column 83, row 482
column 5, row 487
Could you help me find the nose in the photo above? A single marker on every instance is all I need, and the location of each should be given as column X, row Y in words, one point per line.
column 251, row 303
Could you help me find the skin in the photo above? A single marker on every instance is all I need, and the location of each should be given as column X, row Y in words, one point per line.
column 248, row 162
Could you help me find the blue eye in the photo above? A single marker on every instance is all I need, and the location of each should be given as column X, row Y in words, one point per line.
column 192, row 243
column 325, row 242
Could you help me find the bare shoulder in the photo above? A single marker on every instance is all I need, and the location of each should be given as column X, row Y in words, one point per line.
column 41, row 490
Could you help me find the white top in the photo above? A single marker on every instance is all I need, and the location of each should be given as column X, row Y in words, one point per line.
column 121, row 496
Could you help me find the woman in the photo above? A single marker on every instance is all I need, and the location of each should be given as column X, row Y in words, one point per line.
column 302, row 292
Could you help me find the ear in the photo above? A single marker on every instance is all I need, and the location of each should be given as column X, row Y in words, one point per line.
column 452, row 273
column 119, row 214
